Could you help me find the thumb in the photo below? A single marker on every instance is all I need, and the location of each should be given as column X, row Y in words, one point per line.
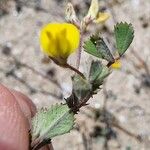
column 13, row 124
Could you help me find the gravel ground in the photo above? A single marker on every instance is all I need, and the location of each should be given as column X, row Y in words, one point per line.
column 129, row 87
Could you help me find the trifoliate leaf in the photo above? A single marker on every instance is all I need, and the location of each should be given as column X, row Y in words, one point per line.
column 81, row 87
column 97, row 47
column 124, row 34
column 98, row 73
column 56, row 120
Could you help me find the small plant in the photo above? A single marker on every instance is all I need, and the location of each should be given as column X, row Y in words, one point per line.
column 58, row 41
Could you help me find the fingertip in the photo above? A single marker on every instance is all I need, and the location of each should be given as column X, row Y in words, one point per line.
column 26, row 105
column 13, row 125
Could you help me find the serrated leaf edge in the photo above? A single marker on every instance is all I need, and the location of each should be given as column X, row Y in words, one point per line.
column 130, row 26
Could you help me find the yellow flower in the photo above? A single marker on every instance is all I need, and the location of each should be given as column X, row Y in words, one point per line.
column 59, row 40
column 102, row 17
column 116, row 64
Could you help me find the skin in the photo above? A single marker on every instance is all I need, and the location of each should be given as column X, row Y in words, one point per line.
column 16, row 111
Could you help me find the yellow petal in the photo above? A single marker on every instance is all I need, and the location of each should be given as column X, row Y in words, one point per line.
column 102, row 17
column 59, row 40
column 116, row 65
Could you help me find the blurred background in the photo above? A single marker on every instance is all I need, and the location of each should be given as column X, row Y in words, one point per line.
column 124, row 124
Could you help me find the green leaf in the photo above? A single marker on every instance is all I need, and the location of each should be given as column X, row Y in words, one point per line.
column 81, row 87
column 105, row 72
column 104, row 50
column 56, row 120
column 124, row 34
column 90, row 47
column 95, row 70
column 97, row 47
column 98, row 73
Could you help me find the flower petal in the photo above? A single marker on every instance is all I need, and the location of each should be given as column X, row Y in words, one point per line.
column 59, row 40
column 102, row 17
column 116, row 65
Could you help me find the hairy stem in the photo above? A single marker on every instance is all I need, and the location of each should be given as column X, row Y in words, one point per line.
column 79, row 50
column 74, row 69
column 43, row 143
column 66, row 65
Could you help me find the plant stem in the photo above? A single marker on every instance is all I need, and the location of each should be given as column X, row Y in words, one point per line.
column 66, row 65
column 43, row 143
column 79, row 50
column 74, row 69
column 110, row 63
column 84, row 101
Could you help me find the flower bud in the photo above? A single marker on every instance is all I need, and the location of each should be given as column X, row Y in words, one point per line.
column 91, row 15
column 71, row 14
column 93, row 10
